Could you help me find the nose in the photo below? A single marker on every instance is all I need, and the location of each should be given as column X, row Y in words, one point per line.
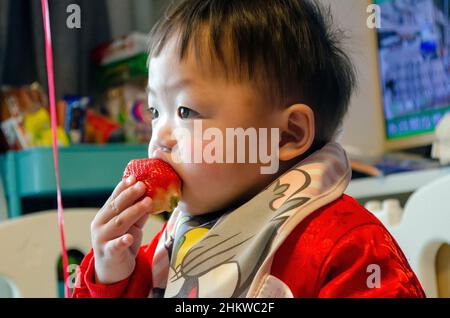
column 162, row 137
column 165, row 146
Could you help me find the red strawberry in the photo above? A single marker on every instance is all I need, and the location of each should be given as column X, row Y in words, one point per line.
column 162, row 182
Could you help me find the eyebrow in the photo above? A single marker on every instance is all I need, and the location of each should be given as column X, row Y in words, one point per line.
column 177, row 85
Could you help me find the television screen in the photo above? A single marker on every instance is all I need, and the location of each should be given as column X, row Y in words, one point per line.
column 413, row 49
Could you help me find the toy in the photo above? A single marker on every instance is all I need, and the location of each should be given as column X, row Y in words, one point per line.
column 100, row 129
column 76, row 107
column 162, row 182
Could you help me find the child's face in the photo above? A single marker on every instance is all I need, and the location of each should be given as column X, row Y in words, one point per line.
column 181, row 95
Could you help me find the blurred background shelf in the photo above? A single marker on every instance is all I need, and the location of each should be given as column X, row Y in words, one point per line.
column 84, row 170
column 398, row 185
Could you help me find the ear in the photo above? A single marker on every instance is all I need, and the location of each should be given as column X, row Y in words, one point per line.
column 298, row 131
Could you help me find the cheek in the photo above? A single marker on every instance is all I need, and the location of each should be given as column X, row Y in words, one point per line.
column 202, row 174
column 190, row 146
column 218, row 178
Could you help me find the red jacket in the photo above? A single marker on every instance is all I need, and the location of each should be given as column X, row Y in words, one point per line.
column 329, row 254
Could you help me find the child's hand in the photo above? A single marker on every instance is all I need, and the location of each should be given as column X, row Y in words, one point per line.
column 116, row 231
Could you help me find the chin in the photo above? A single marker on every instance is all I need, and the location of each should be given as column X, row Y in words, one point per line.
column 191, row 208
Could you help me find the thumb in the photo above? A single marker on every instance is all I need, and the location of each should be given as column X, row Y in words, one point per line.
column 119, row 245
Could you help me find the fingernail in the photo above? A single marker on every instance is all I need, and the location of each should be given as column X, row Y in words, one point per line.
column 129, row 180
column 146, row 201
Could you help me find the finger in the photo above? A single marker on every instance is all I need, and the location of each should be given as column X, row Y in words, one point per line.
column 136, row 232
column 141, row 222
column 137, row 235
column 124, row 184
column 120, row 244
column 120, row 224
column 102, row 216
column 128, row 197
column 123, row 201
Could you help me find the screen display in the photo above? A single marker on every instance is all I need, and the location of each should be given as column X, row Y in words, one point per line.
column 413, row 49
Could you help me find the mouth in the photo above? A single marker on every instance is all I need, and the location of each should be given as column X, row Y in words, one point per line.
column 162, row 153
column 165, row 154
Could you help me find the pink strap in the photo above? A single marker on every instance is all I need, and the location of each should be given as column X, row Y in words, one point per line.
column 51, row 94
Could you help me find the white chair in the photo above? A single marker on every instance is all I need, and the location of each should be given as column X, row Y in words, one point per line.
column 30, row 248
column 3, row 205
column 423, row 231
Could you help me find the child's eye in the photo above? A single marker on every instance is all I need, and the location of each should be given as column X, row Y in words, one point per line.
column 187, row 113
column 154, row 112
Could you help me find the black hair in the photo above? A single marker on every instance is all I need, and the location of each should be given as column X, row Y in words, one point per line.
column 289, row 48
